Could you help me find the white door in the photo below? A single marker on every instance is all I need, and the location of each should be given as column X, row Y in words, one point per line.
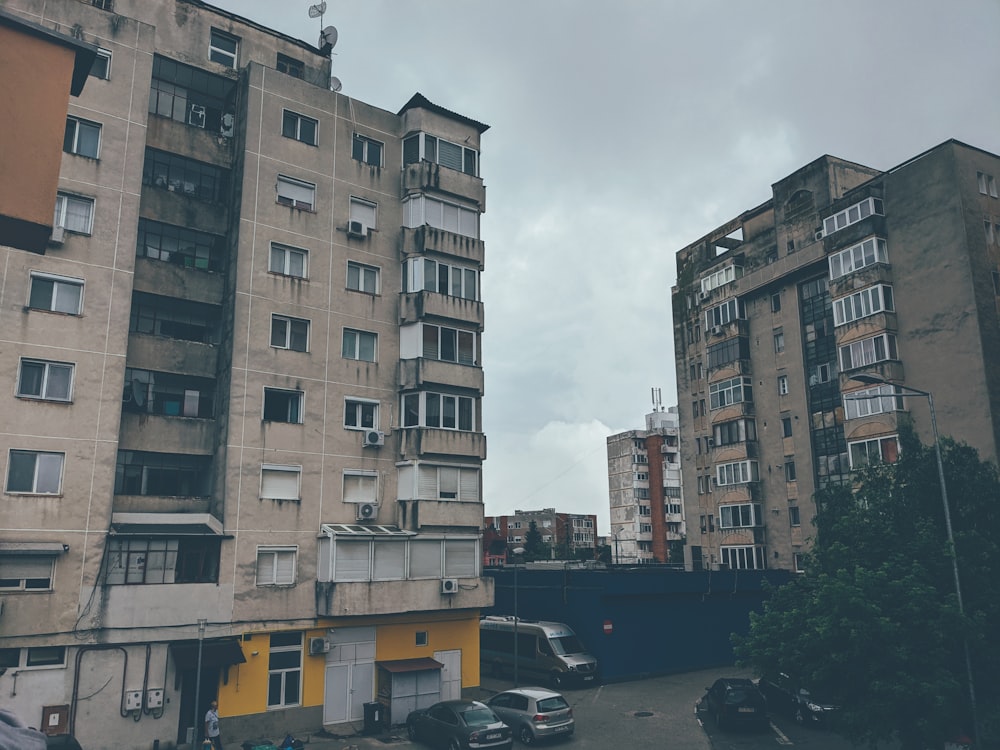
column 451, row 673
column 336, row 694
column 350, row 674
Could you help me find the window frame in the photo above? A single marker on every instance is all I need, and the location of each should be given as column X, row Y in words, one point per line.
column 47, row 367
column 354, row 338
column 725, row 392
column 296, row 120
column 290, row 66
column 290, row 335
column 287, row 253
column 889, row 351
column 295, row 398
column 280, row 469
column 230, row 58
column 741, row 516
column 870, row 251
column 880, row 443
column 864, row 303
column 734, row 473
column 63, row 201
column 105, row 55
column 870, row 206
column 358, row 407
column 361, row 148
column 28, row 583
column 37, row 482
column 74, row 148
column 289, row 200
column 361, row 271
column 276, row 552
column 284, row 673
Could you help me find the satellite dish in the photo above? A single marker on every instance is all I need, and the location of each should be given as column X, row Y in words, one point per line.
column 315, row 11
column 328, row 37
column 335, row 84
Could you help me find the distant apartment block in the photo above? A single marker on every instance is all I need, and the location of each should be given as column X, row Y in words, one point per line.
column 573, row 535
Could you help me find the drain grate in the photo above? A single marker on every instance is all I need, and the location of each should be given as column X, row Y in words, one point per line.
column 642, row 714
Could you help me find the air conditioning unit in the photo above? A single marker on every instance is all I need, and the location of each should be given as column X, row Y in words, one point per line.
column 716, row 330
column 318, row 646
column 367, row 511
column 57, row 236
column 228, row 126
column 357, row 229
column 710, row 442
column 373, row 438
column 449, row 585
column 702, row 296
column 196, row 116
column 819, row 235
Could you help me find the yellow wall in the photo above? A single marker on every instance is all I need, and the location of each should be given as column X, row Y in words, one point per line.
column 245, row 692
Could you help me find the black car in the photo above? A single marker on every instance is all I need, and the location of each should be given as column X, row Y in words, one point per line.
column 61, row 742
column 735, row 701
column 459, row 725
column 786, row 696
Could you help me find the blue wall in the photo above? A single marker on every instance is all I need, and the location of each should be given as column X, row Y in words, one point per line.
column 663, row 621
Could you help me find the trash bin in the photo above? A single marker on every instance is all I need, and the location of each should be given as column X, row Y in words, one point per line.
column 373, row 717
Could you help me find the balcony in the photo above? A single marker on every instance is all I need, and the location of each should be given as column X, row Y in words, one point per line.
column 414, row 374
column 359, row 598
column 428, row 239
column 172, row 355
column 878, row 273
column 416, row 306
column 143, row 431
column 161, row 504
column 426, row 176
column 158, row 277
column 420, row 442
column 428, row 515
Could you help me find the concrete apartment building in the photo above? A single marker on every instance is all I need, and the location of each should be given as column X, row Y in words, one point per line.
column 646, row 490
column 243, row 423
column 846, row 271
column 575, row 533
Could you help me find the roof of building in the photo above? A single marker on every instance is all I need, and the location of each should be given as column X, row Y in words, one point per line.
column 419, row 101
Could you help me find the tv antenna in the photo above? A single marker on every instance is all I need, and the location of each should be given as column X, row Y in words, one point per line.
column 317, row 11
column 328, row 38
column 657, row 399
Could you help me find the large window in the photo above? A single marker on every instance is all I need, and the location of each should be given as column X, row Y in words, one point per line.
column 168, row 394
column 180, row 245
column 400, row 557
column 163, row 474
column 866, row 253
column 283, row 405
column 868, row 351
column 173, row 318
column 360, row 414
column 449, row 344
column 102, row 65
column 360, row 486
column 737, row 431
column 367, row 150
column 35, row 472
column 439, row 410
column 853, row 214
column 737, row 472
column 296, row 193
column 192, row 96
column 276, row 566
column 881, row 449
column 223, row 48
column 422, row 146
column 49, row 381
column 362, row 278
column 280, row 482
column 289, row 333
column 284, row 670
column 82, row 137
column 744, row 558
column 868, row 301
column 728, row 351
column 288, row 261
column 364, row 212
column 56, row 294
column 721, row 277
column 419, row 210
column 740, row 516
column 727, row 312
column 359, row 345
column 290, row 66
column 26, row 572
column 299, row 127
column 145, row 561
column 878, row 400
column 443, row 278
column 728, row 392
column 185, row 176
column 74, row 213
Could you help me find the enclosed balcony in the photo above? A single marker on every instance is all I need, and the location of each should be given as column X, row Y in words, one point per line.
column 416, row 306
column 418, row 442
column 428, row 239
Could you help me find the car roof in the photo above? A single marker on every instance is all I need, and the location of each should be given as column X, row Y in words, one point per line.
column 532, row 692
column 458, row 704
column 736, row 682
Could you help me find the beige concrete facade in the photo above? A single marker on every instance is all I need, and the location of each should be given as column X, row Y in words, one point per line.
column 845, row 271
column 247, row 392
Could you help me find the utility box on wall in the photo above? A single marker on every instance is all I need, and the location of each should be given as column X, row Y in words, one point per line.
column 55, row 719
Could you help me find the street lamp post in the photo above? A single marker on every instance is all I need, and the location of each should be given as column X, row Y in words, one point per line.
column 516, row 552
column 197, row 682
column 904, row 390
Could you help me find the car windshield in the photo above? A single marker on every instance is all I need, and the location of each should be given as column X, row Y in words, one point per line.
column 555, row 703
column 738, row 695
column 567, row 644
column 478, row 716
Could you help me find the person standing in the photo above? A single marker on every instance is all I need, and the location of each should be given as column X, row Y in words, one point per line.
column 212, row 725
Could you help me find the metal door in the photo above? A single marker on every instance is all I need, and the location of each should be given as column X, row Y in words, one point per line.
column 451, row 673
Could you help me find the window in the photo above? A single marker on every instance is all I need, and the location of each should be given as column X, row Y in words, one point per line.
column 279, row 482
column 283, row 406
column 180, row 245
column 424, row 147
column 193, row 96
column 223, row 48
column 360, row 487
column 737, row 472
column 439, row 410
column 289, row 333
column 26, row 572
column 359, row 345
column 868, row 351
column 162, row 474
column 103, row 4
column 276, row 566
column 727, row 312
column 853, row 214
column 740, row 516
column 420, row 638
column 782, row 385
column 74, row 213
column 184, row 176
column 867, row 401
column 46, row 656
column 728, row 351
column 288, row 261
column 296, row 193
column 728, row 392
column 793, row 516
column 779, row 342
column 365, row 212
column 173, row 318
column 362, row 278
column 869, row 301
column 721, row 277
column 419, row 210
column 82, row 137
column 434, row 276
column 776, row 302
column 789, row 471
column 133, row 561
column 101, row 68
column 50, row 381
column 448, row 483
column 35, row 472
column 360, row 414
column 744, row 558
column 299, row 127
column 882, row 449
column 987, row 185
column 737, row 431
column 367, row 150
column 290, row 66
column 866, row 253
column 786, row 427
column 448, row 344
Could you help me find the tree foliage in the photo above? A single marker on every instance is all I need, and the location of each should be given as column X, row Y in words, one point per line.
column 874, row 622
column 534, row 547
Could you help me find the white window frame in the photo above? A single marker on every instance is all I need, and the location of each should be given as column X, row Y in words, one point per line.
column 460, row 334
column 62, row 216
column 299, row 401
column 38, row 483
column 868, row 351
column 61, row 664
column 421, row 209
column 744, row 557
column 352, row 338
column 281, row 473
column 741, row 516
column 868, row 252
column 443, row 401
column 364, row 278
column 880, row 399
column 720, row 277
column 77, row 123
column 782, row 385
column 364, row 211
column 729, row 392
column 356, row 407
column 230, row 58
column 360, row 486
column 25, row 568
column 284, row 674
column 289, row 323
column 274, row 567
column 280, row 260
column 853, row 214
column 864, row 303
column 48, row 366
column 295, row 193
column 867, row 446
column 102, row 54
column 364, row 141
column 299, row 118
column 736, row 472
column 730, row 310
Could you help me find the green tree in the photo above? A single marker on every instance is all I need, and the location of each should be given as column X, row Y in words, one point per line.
column 534, row 547
column 874, row 621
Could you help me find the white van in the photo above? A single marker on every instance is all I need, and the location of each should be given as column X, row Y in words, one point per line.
column 549, row 651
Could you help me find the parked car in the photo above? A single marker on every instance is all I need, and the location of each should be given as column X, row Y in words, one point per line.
column 734, row 701
column 534, row 713
column 61, row 742
column 784, row 695
column 459, row 725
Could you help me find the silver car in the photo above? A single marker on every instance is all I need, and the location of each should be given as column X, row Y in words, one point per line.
column 534, row 713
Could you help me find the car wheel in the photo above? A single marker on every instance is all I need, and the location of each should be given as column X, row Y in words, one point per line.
column 411, row 730
column 557, row 680
column 526, row 736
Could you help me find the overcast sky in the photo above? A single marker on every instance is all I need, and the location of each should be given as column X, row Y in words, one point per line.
column 622, row 131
